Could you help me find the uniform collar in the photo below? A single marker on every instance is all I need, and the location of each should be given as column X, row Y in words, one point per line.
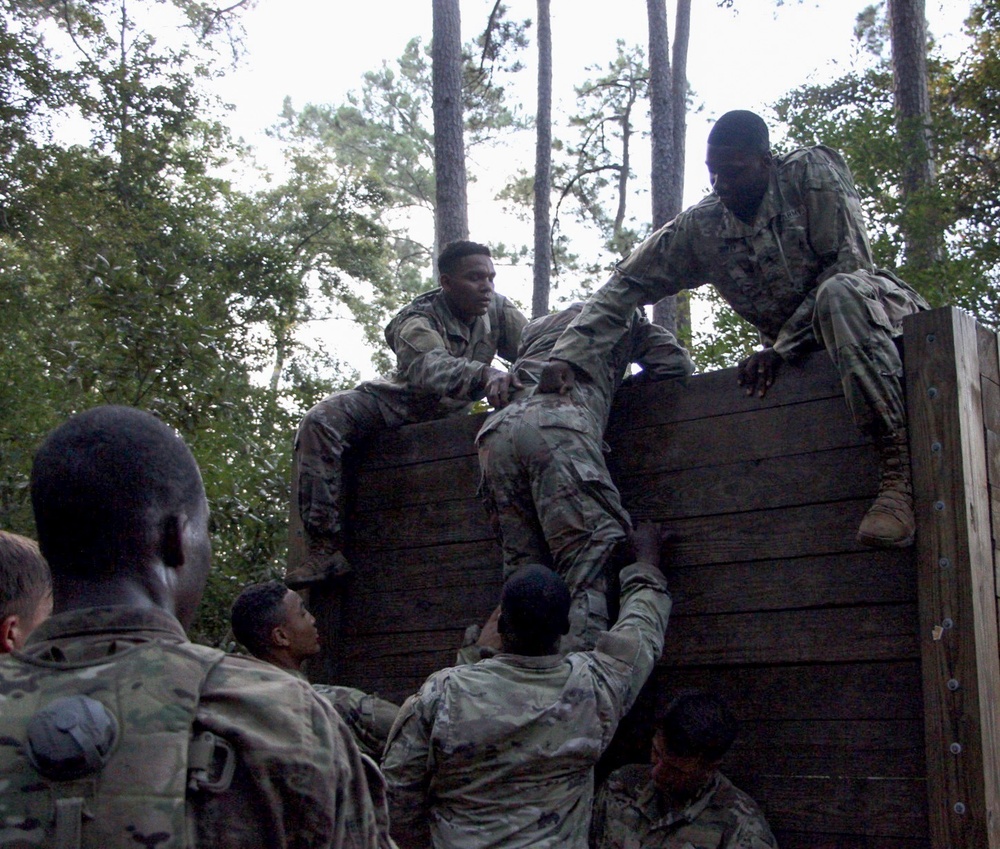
column 650, row 804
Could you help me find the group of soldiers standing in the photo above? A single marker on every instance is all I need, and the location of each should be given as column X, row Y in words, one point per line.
column 499, row 751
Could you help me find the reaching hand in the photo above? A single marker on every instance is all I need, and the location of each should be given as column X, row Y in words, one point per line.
column 647, row 539
column 557, row 376
column 759, row 370
column 498, row 388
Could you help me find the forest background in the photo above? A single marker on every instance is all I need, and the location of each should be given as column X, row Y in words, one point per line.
column 156, row 250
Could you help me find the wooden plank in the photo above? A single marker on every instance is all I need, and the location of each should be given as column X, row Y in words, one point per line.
column 989, row 361
column 756, row 484
column 715, row 393
column 819, row 692
column 811, row 530
column 991, row 405
column 418, row 483
column 442, row 439
column 874, row 808
column 855, row 749
column 859, row 578
column 886, row 632
column 774, row 432
column 961, row 667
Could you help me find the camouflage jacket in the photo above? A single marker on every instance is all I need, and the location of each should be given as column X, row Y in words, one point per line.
column 649, row 345
column 630, row 814
column 809, row 227
column 298, row 780
column 501, row 753
column 369, row 717
column 442, row 363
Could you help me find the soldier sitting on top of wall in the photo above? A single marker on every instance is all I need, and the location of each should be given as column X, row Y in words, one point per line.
column 545, row 482
column 783, row 240
column 681, row 800
column 444, row 342
column 274, row 625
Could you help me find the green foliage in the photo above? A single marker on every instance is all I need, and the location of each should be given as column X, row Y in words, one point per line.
column 131, row 274
column 382, row 137
column 854, row 114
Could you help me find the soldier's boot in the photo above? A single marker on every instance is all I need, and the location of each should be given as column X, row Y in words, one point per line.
column 889, row 521
column 324, row 562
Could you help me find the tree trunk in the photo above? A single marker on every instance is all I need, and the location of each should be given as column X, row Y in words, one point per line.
column 451, row 203
column 543, row 167
column 668, row 111
column 911, row 101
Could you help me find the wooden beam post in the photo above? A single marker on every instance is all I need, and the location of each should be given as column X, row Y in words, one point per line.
column 956, row 579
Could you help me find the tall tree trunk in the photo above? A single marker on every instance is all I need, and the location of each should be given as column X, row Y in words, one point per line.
column 543, row 167
column 668, row 112
column 451, row 202
column 922, row 235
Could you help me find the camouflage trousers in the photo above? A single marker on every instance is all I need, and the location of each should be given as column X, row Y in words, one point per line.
column 546, row 484
column 857, row 317
column 327, row 430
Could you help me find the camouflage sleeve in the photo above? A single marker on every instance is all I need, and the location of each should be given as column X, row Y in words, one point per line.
column 625, row 655
column 369, row 717
column 836, row 223
column 299, row 780
column 751, row 832
column 423, row 359
column 407, row 765
column 662, row 265
column 601, row 836
column 658, row 351
column 514, row 322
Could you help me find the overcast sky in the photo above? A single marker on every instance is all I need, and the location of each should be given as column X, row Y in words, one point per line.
column 317, row 50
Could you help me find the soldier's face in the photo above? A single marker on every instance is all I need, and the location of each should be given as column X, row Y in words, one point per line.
column 469, row 286
column 739, row 178
column 299, row 627
column 678, row 777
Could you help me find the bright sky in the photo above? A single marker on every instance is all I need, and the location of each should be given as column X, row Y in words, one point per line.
column 317, row 50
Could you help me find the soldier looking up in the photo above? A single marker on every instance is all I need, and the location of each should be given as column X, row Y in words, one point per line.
column 117, row 730
column 501, row 753
column 273, row 624
column 783, row 240
column 444, row 342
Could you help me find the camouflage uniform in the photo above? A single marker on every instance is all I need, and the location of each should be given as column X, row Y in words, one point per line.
column 802, row 274
column 544, row 474
column 442, row 367
column 298, row 780
column 369, row 717
column 501, row 753
column 630, row 814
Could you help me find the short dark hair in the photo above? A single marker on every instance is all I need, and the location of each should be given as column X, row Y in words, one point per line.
column 101, row 481
column 24, row 575
column 256, row 612
column 742, row 129
column 534, row 606
column 697, row 724
column 453, row 252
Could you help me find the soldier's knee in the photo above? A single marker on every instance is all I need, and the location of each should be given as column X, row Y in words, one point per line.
column 838, row 293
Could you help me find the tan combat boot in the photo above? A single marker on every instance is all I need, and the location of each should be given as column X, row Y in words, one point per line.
column 324, row 562
column 889, row 521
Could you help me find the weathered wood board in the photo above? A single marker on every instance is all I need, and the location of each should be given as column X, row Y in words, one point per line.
column 822, row 647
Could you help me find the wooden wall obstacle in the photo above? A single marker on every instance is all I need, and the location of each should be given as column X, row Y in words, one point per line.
column 866, row 682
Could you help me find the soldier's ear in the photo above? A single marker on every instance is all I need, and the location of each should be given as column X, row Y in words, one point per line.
column 8, row 632
column 279, row 638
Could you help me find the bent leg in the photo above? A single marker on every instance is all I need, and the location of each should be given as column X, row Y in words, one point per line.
column 857, row 317
column 327, row 430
